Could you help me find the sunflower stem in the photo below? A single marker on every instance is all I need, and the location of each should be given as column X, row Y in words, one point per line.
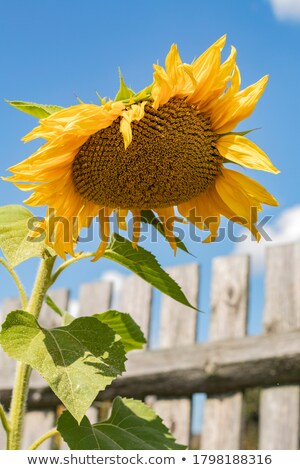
column 43, row 438
column 17, row 281
column 23, row 371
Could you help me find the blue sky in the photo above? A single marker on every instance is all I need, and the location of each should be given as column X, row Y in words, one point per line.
column 53, row 51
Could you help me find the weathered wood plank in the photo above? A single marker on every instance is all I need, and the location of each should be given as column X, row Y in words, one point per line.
column 94, row 297
column 136, row 299
column 178, row 328
column 36, row 424
column 217, row 367
column 48, row 318
column 275, row 405
column 279, row 425
column 282, row 293
column 229, row 301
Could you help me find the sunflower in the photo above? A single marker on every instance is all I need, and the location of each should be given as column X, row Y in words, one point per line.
column 162, row 148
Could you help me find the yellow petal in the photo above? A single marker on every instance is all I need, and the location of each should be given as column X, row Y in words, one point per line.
column 240, row 150
column 136, row 228
column 104, row 221
column 121, row 217
column 249, row 186
column 206, row 76
column 167, row 218
column 134, row 113
column 234, row 196
column 173, row 62
column 199, row 64
column 230, row 112
column 162, row 88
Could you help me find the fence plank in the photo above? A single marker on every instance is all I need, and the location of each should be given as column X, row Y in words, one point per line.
column 279, row 406
column 36, row 424
column 48, row 318
column 229, row 301
column 94, row 297
column 178, row 328
column 136, row 298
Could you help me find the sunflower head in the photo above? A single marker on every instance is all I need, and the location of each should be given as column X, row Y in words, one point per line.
column 163, row 148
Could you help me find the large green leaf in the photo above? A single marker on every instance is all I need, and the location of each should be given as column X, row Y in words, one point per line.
column 145, row 265
column 77, row 360
column 131, row 426
column 15, row 240
column 124, row 325
column 149, row 218
column 37, row 110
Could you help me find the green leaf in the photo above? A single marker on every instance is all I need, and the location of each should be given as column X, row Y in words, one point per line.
column 145, row 265
column 77, row 360
column 149, row 218
column 124, row 325
column 37, row 110
column 131, row 426
column 15, row 240
column 124, row 92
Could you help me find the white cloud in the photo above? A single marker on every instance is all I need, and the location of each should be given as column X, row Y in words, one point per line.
column 286, row 9
column 285, row 229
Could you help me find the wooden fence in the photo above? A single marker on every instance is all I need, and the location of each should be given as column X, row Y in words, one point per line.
column 225, row 368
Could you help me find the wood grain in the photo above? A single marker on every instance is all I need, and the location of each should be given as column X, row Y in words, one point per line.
column 279, row 424
column 229, row 301
column 178, row 328
column 136, row 298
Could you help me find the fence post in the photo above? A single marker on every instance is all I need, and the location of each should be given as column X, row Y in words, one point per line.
column 229, row 301
column 279, row 406
column 178, row 328
column 136, row 298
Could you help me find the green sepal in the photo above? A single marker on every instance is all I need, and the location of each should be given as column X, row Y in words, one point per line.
column 102, row 100
column 242, row 133
column 124, row 92
column 39, row 111
column 143, row 95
